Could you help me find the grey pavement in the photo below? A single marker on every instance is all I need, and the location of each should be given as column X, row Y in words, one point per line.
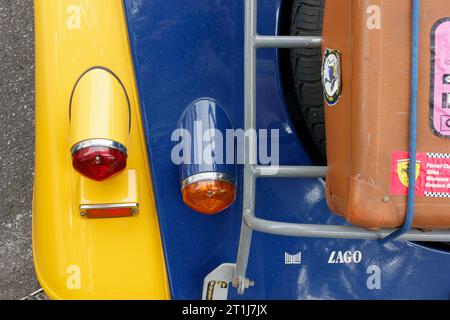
column 17, row 276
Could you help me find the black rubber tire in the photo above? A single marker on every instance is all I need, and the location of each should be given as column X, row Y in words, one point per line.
column 306, row 20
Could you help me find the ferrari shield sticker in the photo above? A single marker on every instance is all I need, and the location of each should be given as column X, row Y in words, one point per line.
column 402, row 171
column 440, row 78
column 331, row 76
column 432, row 174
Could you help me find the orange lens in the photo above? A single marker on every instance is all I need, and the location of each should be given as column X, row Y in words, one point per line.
column 109, row 213
column 209, row 196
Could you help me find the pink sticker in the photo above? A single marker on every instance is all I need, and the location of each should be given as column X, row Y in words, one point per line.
column 432, row 174
column 440, row 78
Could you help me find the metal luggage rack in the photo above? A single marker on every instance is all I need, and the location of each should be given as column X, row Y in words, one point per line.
column 250, row 222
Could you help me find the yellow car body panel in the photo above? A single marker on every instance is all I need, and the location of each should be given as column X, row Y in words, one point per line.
column 76, row 257
column 99, row 107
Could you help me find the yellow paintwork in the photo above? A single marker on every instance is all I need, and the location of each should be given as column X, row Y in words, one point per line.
column 99, row 108
column 77, row 258
column 121, row 188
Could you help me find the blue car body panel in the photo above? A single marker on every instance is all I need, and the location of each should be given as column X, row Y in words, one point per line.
column 186, row 50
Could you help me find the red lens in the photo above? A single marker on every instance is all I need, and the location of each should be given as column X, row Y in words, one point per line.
column 99, row 163
column 109, row 213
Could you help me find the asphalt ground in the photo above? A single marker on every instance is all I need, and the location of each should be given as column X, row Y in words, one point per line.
column 17, row 275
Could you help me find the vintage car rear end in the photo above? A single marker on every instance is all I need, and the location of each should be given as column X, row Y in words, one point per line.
column 168, row 132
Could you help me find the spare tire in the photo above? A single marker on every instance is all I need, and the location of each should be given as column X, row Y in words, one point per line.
column 306, row 20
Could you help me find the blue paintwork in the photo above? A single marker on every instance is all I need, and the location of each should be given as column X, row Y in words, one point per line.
column 199, row 124
column 184, row 50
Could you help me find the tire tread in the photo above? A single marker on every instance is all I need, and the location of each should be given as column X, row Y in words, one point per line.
column 306, row 20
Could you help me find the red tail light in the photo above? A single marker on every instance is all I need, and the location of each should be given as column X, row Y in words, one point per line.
column 99, row 160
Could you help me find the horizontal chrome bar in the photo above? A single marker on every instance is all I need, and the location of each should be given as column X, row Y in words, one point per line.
column 341, row 232
column 132, row 205
column 287, row 41
column 290, row 172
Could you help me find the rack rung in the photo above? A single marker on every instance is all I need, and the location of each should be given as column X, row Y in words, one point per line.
column 341, row 232
column 290, row 172
column 287, row 41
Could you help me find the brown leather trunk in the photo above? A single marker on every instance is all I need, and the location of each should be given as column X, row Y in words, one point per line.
column 368, row 128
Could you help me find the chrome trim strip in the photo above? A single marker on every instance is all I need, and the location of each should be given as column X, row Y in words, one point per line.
column 224, row 177
column 134, row 206
column 99, row 143
column 287, row 41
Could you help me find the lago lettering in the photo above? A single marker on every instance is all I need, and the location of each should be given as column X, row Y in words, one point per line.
column 346, row 257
